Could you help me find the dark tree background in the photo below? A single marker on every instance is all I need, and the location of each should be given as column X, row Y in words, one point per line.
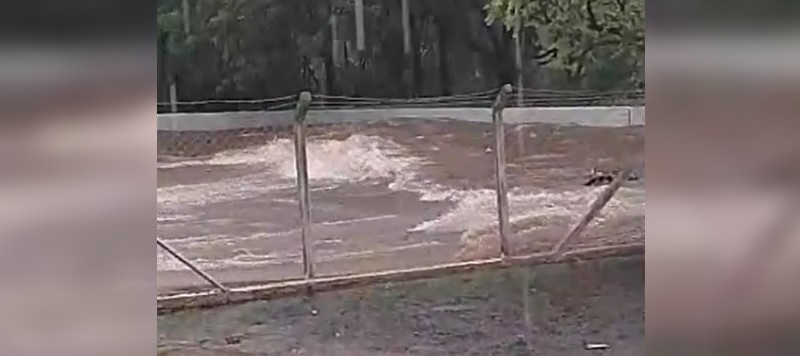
column 234, row 49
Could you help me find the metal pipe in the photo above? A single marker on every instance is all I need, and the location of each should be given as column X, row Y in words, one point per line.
column 500, row 167
column 173, row 97
column 595, row 208
column 191, row 265
column 303, row 104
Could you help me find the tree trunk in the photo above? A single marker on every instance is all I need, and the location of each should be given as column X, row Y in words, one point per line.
column 443, row 29
column 408, row 56
column 416, row 57
column 337, row 51
column 361, row 45
column 330, row 73
column 163, row 80
column 518, row 61
column 187, row 28
column 332, row 51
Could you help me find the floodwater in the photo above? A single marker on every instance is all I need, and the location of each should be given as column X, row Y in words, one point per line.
column 384, row 195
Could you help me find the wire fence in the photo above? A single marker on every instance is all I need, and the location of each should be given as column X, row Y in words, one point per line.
column 299, row 206
column 524, row 98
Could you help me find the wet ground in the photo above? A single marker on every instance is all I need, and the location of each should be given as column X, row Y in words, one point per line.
column 560, row 310
column 393, row 194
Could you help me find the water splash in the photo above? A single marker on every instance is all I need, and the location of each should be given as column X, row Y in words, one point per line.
column 477, row 209
column 355, row 159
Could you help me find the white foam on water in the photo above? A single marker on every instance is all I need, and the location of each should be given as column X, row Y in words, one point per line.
column 227, row 242
column 477, row 209
column 356, row 158
column 428, row 191
column 165, row 262
column 173, row 198
column 357, row 220
column 330, row 163
column 197, row 239
column 206, row 241
column 365, row 160
column 244, row 258
column 174, row 219
column 338, row 256
column 171, row 165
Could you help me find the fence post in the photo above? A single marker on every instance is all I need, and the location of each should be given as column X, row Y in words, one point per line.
column 500, row 166
column 173, row 97
column 191, row 265
column 303, row 104
column 595, row 208
column 630, row 116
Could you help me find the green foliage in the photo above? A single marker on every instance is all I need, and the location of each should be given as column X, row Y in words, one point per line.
column 584, row 36
column 513, row 14
column 268, row 48
column 238, row 48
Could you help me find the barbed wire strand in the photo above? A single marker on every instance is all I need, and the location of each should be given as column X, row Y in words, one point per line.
column 437, row 98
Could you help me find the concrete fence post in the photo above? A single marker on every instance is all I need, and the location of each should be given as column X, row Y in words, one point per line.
column 500, row 167
column 301, row 112
column 173, row 97
column 594, row 210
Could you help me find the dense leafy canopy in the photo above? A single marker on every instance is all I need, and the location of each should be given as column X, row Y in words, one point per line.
column 267, row 48
column 602, row 38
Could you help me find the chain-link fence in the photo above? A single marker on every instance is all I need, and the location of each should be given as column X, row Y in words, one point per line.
column 395, row 190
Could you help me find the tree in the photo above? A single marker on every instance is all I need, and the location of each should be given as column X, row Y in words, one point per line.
column 580, row 36
column 226, row 49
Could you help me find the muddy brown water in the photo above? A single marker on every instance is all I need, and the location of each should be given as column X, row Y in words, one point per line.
column 567, row 307
column 395, row 194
